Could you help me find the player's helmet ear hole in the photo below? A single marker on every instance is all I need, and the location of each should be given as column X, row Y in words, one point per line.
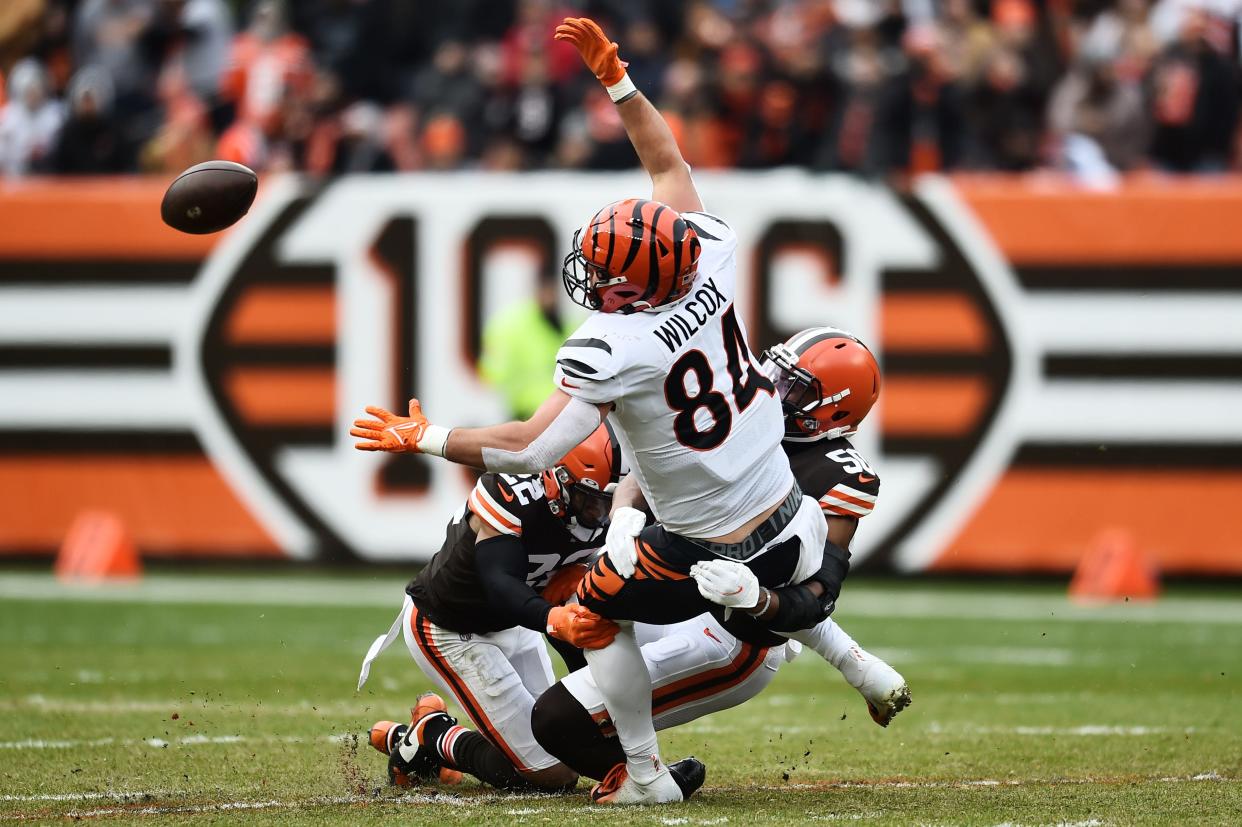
column 839, row 415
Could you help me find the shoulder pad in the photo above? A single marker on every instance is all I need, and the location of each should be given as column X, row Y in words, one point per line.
column 502, row 500
column 835, row 473
column 588, row 365
column 708, row 227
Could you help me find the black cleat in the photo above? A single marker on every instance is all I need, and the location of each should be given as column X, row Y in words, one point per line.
column 689, row 773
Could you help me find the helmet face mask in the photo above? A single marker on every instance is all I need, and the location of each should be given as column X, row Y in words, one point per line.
column 809, row 360
column 590, row 286
column 589, row 506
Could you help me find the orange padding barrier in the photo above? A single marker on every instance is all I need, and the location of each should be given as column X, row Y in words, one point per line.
column 1047, row 519
column 110, row 218
column 1042, row 220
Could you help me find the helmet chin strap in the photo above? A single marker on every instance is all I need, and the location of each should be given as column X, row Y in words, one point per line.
column 831, row 433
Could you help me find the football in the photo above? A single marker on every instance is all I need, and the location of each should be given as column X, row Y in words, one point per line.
column 208, row 197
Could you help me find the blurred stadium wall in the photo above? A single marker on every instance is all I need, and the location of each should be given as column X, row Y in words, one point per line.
column 1058, row 361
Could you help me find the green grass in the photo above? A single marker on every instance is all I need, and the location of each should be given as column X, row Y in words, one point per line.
column 213, row 699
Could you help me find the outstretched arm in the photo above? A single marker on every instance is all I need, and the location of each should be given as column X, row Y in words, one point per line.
column 517, row 447
column 671, row 183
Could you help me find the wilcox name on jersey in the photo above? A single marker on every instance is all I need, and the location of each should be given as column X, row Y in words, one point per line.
column 690, row 316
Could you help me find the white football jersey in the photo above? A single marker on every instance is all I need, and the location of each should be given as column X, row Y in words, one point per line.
column 699, row 423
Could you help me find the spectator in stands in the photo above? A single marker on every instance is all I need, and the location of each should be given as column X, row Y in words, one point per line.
column 267, row 62
column 354, row 142
column 1093, row 104
column 91, row 141
column 30, row 121
column 196, row 33
column 877, row 87
column 106, row 33
column 269, row 79
column 184, row 137
column 1195, row 100
column 19, row 30
column 870, row 125
column 449, row 86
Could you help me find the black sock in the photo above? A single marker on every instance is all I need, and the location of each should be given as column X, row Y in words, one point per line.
column 564, row 728
column 468, row 751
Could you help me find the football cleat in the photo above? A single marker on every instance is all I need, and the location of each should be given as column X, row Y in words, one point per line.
column 619, row 788
column 411, row 759
column 386, row 733
column 689, row 773
column 882, row 686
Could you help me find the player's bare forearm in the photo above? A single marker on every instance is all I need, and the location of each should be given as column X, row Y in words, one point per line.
column 555, row 429
column 628, row 495
column 465, row 445
column 657, row 150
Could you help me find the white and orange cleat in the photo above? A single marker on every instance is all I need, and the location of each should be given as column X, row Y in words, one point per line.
column 618, row 788
column 882, row 687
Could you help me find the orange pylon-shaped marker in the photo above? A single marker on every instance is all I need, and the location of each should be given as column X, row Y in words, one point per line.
column 98, row 547
column 1115, row 569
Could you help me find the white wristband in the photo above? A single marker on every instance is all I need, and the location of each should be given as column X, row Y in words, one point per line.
column 434, row 439
column 623, row 89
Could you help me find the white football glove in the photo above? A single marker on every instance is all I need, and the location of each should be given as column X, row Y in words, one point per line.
column 624, row 525
column 727, row 583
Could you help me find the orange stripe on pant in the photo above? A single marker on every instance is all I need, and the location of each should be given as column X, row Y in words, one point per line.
column 698, row 686
column 662, row 699
column 421, row 627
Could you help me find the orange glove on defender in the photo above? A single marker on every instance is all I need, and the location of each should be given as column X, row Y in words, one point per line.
column 581, row 627
column 599, row 54
column 396, row 434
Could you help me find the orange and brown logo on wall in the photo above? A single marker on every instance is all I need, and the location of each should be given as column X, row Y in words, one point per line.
column 1057, row 363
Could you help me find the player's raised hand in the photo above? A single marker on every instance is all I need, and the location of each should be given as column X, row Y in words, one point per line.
column 389, row 432
column 727, row 583
column 581, row 627
column 598, row 52
column 624, row 525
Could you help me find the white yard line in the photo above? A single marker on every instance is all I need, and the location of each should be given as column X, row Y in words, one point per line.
column 160, row 743
column 1090, row 730
column 452, row 800
column 985, row 603
column 180, row 706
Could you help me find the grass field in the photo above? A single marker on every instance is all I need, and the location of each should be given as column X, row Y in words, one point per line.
column 216, row 699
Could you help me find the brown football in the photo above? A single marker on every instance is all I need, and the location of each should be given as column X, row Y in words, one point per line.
column 208, row 197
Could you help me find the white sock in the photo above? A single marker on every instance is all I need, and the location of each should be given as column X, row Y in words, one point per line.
column 622, row 677
column 834, row 645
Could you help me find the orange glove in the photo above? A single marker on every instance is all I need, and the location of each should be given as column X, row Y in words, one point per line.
column 396, row 434
column 581, row 627
column 598, row 53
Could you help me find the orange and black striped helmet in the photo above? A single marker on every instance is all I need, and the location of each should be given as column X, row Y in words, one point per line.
column 632, row 255
column 828, row 382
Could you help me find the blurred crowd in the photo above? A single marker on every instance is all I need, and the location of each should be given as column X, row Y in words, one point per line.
column 875, row 87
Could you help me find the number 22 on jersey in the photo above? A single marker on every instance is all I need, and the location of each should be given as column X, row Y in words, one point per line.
column 747, row 382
